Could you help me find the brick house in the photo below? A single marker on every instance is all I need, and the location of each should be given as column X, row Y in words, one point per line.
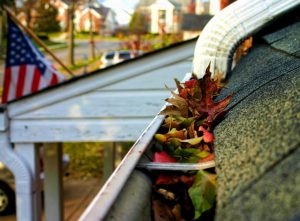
column 63, row 7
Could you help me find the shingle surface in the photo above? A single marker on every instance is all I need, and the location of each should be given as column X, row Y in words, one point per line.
column 258, row 143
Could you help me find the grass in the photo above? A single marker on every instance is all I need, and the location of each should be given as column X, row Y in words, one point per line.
column 86, row 36
column 86, row 159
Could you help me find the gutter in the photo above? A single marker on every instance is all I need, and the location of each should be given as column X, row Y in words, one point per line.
column 224, row 32
column 23, row 177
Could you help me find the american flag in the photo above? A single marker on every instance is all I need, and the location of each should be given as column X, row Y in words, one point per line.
column 26, row 68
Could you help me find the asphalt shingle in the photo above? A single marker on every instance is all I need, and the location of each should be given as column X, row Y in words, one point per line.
column 257, row 144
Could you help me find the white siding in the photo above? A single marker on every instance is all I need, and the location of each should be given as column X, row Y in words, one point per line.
column 117, row 112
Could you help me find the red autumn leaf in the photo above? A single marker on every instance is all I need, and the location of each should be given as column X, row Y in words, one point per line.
column 166, row 179
column 207, row 105
column 163, row 157
column 208, row 137
column 191, row 83
column 183, row 93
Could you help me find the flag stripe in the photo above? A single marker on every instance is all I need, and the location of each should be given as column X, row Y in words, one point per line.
column 21, row 81
column 54, row 79
column 45, row 79
column 6, row 88
column 36, row 80
column 29, row 79
column 13, row 82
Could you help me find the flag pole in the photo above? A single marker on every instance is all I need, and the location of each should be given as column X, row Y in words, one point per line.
column 33, row 35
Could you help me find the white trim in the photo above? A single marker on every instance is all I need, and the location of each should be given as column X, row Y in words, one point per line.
column 77, row 130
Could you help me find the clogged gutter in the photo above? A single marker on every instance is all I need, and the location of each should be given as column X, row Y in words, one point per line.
column 186, row 137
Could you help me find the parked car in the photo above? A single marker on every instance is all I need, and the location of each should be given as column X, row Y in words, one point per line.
column 7, row 194
column 113, row 57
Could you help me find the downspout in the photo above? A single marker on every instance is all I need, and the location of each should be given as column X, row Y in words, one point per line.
column 225, row 31
column 23, row 177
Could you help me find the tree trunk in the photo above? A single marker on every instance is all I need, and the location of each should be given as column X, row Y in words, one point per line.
column 71, row 35
column 92, row 43
column 28, row 7
column 1, row 35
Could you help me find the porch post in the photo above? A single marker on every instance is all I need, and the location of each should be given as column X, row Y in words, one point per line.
column 53, row 184
column 29, row 153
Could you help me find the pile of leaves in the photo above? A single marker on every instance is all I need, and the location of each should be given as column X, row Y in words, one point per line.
column 186, row 137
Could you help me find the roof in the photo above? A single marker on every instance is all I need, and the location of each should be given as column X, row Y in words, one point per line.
column 175, row 3
column 103, row 11
column 144, row 3
column 67, row 2
column 192, row 22
column 258, row 143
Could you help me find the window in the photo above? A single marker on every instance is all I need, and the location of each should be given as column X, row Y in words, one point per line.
column 162, row 15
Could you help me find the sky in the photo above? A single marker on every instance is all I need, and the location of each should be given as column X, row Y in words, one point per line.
column 123, row 8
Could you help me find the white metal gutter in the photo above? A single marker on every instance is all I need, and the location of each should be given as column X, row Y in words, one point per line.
column 224, row 32
column 23, row 177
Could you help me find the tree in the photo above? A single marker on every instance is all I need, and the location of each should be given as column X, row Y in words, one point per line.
column 9, row 3
column 138, row 23
column 71, row 34
column 92, row 43
column 45, row 20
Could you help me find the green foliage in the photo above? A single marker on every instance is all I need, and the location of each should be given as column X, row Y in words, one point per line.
column 7, row 2
column 203, row 192
column 138, row 23
column 85, row 159
column 46, row 20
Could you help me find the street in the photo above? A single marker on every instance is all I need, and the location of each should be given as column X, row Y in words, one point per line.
column 81, row 52
column 82, row 49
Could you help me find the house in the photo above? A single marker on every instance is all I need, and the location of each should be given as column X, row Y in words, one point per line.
column 112, row 104
column 257, row 143
column 214, row 7
column 102, row 19
column 63, row 7
column 193, row 24
column 23, row 15
column 165, row 17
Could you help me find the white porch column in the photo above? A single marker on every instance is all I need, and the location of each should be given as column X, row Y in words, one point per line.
column 29, row 153
column 53, row 183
